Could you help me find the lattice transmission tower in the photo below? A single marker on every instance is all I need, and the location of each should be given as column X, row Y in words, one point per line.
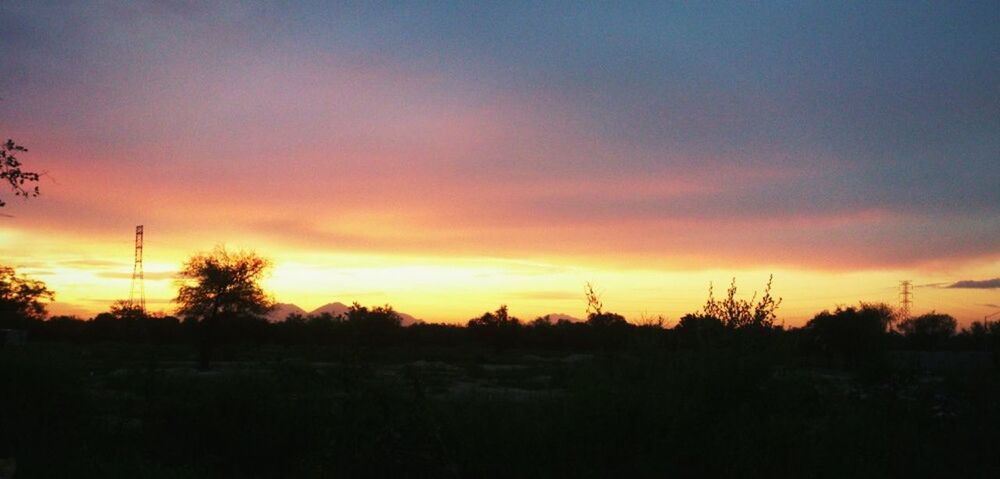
column 137, row 295
column 905, row 299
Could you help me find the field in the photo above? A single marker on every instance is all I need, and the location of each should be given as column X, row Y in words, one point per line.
column 132, row 410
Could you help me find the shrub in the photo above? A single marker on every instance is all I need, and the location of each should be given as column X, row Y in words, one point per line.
column 929, row 331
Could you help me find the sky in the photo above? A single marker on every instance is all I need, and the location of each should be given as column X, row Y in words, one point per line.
column 451, row 157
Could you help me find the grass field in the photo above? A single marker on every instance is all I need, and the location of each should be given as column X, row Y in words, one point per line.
column 111, row 410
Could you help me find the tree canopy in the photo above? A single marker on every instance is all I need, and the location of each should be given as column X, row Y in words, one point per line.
column 222, row 283
column 222, row 287
column 852, row 331
column 928, row 331
column 498, row 319
column 21, row 298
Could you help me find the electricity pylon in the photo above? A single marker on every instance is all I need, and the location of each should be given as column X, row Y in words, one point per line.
column 905, row 299
column 137, row 295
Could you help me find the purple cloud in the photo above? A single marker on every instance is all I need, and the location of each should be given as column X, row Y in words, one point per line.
column 976, row 284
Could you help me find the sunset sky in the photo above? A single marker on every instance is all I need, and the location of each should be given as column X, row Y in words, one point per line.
column 446, row 159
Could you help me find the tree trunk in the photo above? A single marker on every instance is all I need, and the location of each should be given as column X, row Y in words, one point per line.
column 206, row 343
column 204, row 354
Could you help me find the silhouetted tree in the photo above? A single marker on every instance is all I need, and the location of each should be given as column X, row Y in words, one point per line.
column 324, row 327
column 21, row 299
column 219, row 286
column 122, row 322
column 980, row 335
column 435, row 334
column 159, row 328
column 62, row 328
column 607, row 329
column 986, row 337
column 11, row 172
column 498, row 319
column 377, row 318
column 699, row 331
column 106, row 326
column 126, row 311
column 606, row 320
column 498, row 328
column 125, row 321
column 928, row 331
column 853, row 332
column 542, row 322
column 373, row 326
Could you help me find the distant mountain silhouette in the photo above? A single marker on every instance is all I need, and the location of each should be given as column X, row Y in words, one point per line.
column 556, row 317
column 407, row 319
column 335, row 309
column 282, row 310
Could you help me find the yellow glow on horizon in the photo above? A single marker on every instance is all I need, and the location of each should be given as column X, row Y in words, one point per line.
column 87, row 274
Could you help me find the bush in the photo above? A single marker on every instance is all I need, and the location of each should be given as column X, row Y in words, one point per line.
column 848, row 331
column 740, row 313
column 698, row 331
column 928, row 332
column 498, row 328
column 378, row 325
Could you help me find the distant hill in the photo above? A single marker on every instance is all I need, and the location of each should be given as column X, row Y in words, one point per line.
column 335, row 309
column 556, row 317
column 282, row 310
column 407, row 319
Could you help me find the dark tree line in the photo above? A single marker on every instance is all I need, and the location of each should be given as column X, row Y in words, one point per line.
column 851, row 331
column 217, row 313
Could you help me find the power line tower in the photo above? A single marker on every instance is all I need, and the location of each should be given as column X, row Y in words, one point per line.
column 137, row 295
column 905, row 299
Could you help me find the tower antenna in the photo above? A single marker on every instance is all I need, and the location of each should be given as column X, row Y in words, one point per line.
column 137, row 295
column 905, row 299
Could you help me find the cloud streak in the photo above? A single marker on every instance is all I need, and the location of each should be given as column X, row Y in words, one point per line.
column 547, row 295
column 976, row 284
column 148, row 276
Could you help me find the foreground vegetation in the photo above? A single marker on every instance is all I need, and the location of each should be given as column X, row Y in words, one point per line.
column 362, row 396
column 856, row 392
column 121, row 410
